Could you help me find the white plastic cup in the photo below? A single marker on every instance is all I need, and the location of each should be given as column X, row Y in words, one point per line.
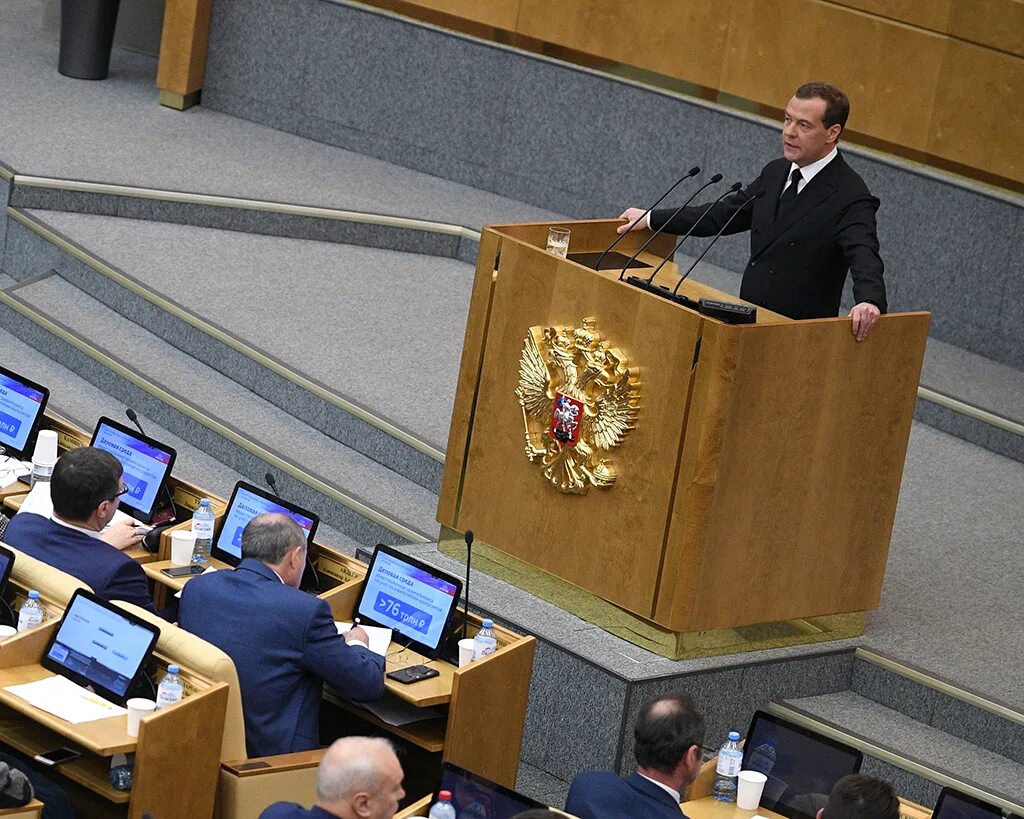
column 465, row 652
column 137, row 709
column 7, row 631
column 749, row 788
column 183, row 543
column 46, row 448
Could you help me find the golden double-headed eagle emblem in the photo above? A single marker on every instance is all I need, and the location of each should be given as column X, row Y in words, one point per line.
column 579, row 398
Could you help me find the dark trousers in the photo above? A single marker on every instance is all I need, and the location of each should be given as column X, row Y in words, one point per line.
column 57, row 804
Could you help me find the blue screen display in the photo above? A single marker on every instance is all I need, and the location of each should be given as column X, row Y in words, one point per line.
column 245, row 506
column 19, row 407
column 145, row 467
column 407, row 599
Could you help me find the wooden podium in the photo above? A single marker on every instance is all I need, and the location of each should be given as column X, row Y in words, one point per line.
column 759, row 483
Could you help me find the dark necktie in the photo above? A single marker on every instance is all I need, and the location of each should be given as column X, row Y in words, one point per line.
column 789, row 195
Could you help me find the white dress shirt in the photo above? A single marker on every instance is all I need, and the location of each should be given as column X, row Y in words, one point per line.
column 673, row 793
column 89, row 532
column 808, row 172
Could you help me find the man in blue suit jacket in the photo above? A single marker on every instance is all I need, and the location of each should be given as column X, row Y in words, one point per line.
column 84, row 488
column 358, row 777
column 669, row 734
column 283, row 641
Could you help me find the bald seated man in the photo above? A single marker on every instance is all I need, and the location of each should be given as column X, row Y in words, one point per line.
column 359, row 778
column 283, row 641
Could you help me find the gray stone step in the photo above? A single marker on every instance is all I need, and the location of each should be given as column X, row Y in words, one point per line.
column 918, row 759
column 82, row 403
column 364, row 499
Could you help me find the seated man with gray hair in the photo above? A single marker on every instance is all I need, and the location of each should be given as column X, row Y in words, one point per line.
column 359, row 778
column 283, row 641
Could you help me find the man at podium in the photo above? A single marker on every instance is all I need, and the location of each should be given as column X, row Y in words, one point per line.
column 810, row 216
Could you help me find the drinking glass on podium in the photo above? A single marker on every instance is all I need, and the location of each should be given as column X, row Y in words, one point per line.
column 558, row 241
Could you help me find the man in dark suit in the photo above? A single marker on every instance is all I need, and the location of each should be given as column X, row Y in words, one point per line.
column 813, row 219
column 283, row 641
column 358, row 778
column 669, row 733
column 84, row 488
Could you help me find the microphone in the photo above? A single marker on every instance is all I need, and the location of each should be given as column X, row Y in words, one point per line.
column 151, row 542
column 692, row 172
column 469, row 562
column 717, row 236
column 716, row 178
column 272, row 483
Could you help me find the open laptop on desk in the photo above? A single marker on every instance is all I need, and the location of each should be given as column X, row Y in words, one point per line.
column 146, row 462
column 801, row 766
column 954, row 804
column 475, row 797
column 100, row 646
column 248, row 501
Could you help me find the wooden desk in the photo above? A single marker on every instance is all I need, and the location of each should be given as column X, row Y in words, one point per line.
column 710, row 808
column 15, row 490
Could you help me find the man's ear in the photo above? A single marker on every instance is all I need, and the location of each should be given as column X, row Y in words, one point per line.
column 833, row 132
column 361, row 804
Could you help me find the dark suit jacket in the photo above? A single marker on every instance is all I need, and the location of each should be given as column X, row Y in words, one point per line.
column 607, row 796
column 289, row 810
column 105, row 570
column 285, row 646
column 799, row 258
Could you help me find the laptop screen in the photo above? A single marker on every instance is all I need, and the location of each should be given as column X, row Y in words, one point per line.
column 953, row 804
column 146, row 464
column 474, row 796
column 21, row 408
column 801, row 766
column 410, row 597
column 100, row 645
column 248, row 501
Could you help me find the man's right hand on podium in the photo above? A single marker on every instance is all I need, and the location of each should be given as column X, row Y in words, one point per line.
column 631, row 215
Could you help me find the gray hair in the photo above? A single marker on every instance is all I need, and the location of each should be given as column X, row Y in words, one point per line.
column 352, row 773
column 268, row 537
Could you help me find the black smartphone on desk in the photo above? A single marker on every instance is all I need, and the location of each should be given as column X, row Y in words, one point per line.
column 412, row 674
column 183, row 571
column 58, row 756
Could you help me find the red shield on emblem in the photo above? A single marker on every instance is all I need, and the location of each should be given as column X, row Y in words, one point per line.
column 566, row 419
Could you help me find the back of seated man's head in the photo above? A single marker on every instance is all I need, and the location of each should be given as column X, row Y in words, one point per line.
column 669, row 732
column 861, row 797
column 360, row 777
column 278, row 541
column 82, row 479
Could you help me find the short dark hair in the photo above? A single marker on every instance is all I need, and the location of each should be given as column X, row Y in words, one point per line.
column 668, row 726
column 862, row 797
column 82, row 479
column 268, row 537
column 837, row 105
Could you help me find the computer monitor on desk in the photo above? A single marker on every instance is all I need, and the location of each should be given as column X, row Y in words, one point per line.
column 21, row 410
column 954, row 804
column 801, row 766
column 147, row 463
column 479, row 798
column 247, row 502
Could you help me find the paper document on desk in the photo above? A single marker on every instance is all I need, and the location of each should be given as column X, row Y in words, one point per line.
column 10, row 469
column 119, row 516
column 59, row 696
column 37, row 501
column 380, row 638
column 397, row 712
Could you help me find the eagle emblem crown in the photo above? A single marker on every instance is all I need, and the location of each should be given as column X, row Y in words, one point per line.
column 579, row 398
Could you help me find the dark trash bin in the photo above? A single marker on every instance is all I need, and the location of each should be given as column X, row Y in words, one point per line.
column 86, row 37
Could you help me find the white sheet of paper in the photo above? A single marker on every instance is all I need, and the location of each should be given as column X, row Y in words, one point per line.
column 37, row 501
column 65, row 699
column 11, row 468
column 380, row 638
column 119, row 516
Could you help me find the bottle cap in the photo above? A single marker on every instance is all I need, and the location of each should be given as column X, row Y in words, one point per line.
column 445, row 796
column 46, row 448
column 33, row 594
column 734, row 736
column 204, row 502
column 488, row 624
column 173, row 669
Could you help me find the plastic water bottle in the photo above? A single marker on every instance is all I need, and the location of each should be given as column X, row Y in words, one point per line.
column 31, row 614
column 170, row 690
column 202, row 528
column 485, row 643
column 443, row 807
column 730, row 760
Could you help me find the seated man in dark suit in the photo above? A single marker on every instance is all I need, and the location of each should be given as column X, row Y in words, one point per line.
column 283, row 641
column 358, row 777
column 861, row 797
column 669, row 734
column 84, row 488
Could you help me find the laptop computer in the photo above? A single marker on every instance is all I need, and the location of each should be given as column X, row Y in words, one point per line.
column 475, row 797
column 21, row 411
column 146, row 462
column 802, row 766
column 247, row 502
column 954, row 804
